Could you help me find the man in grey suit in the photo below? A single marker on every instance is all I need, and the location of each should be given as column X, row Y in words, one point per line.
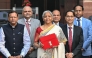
column 32, row 24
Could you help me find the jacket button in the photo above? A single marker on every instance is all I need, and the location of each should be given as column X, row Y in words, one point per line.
column 13, row 43
column 13, row 38
column 13, row 33
column 14, row 52
column 14, row 48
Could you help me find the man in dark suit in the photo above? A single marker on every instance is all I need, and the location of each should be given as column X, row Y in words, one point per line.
column 74, row 36
column 56, row 17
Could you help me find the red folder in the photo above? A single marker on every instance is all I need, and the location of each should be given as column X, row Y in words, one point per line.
column 49, row 41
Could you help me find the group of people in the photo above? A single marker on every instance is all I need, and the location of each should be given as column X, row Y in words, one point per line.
column 20, row 38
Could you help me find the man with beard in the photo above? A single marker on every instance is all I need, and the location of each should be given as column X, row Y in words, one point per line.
column 86, row 25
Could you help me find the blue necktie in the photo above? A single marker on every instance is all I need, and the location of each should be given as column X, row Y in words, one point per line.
column 78, row 22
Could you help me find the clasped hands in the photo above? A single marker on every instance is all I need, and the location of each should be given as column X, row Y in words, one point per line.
column 69, row 55
column 19, row 56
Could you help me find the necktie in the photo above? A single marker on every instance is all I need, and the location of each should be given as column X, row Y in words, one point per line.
column 70, row 38
column 27, row 26
column 78, row 22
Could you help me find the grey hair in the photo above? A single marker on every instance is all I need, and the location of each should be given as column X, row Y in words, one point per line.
column 46, row 12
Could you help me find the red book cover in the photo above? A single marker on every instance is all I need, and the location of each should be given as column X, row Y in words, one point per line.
column 49, row 41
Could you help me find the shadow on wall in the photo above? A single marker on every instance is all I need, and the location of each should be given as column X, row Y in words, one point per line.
column 90, row 18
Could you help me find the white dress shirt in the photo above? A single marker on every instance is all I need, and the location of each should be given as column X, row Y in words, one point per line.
column 80, row 21
column 29, row 21
column 71, row 30
column 56, row 23
column 26, row 42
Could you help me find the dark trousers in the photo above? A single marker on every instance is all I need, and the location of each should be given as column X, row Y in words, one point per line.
column 91, row 56
column 33, row 57
column 27, row 56
column 85, row 56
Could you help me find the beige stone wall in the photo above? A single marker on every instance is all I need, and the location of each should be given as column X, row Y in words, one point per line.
column 4, row 4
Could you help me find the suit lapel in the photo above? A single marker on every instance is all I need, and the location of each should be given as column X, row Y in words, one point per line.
column 60, row 24
column 65, row 30
column 74, row 33
column 23, row 21
column 66, row 34
column 32, row 26
column 83, row 23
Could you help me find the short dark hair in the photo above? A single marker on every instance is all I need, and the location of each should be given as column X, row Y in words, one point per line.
column 69, row 11
column 12, row 12
column 78, row 5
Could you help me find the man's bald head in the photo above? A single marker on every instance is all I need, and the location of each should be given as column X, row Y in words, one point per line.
column 27, row 7
column 27, row 12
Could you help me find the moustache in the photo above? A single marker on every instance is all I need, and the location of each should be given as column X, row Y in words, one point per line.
column 27, row 14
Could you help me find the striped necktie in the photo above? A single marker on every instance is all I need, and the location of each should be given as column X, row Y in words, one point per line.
column 28, row 27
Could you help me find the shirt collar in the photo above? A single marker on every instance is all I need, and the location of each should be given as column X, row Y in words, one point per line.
column 70, row 26
column 12, row 26
column 79, row 18
column 56, row 23
column 29, row 20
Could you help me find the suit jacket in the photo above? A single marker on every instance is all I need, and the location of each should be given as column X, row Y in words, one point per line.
column 77, row 41
column 87, row 34
column 34, row 24
column 60, row 24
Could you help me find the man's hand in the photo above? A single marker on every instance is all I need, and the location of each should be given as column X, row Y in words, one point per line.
column 69, row 55
column 31, row 49
column 19, row 56
column 11, row 57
